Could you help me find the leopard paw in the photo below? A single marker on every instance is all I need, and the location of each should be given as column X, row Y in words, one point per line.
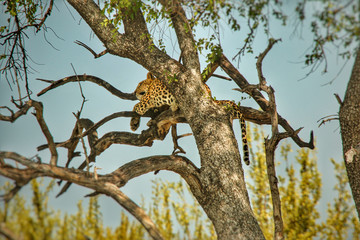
column 135, row 123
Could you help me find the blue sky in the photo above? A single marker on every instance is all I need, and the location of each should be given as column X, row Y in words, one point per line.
column 302, row 103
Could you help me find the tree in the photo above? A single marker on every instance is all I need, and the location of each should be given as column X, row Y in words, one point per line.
column 338, row 24
column 122, row 27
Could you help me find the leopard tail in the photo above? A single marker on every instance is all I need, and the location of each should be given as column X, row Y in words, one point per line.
column 244, row 140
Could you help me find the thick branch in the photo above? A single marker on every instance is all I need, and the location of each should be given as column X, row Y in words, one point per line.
column 109, row 183
column 20, row 176
column 178, row 164
column 89, row 78
column 249, row 114
column 184, row 34
column 209, row 71
column 135, row 28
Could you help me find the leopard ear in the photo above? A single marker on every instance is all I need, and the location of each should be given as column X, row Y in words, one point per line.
column 150, row 76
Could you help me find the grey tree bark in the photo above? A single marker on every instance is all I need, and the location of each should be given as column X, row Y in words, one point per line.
column 349, row 116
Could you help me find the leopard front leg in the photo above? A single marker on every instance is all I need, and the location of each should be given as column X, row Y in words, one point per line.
column 140, row 108
column 135, row 121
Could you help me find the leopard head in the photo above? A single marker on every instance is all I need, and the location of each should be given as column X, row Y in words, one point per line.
column 143, row 86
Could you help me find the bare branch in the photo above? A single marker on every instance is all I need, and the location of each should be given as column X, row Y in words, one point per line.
column 76, row 134
column 44, row 128
column 175, row 137
column 22, row 111
column 15, row 66
column 261, row 58
column 77, row 116
column 23, row 58
column 146, row 138
column 338, row 99
column 329, row 118
column 242, row 82
column 254, row 92
column 96, row 55
column 222, row 77
column 178, row 164
column 270, row 146
column 79, row 127
column 46, row 15
column 268, row 89
column 90, row 130
column 89, row 78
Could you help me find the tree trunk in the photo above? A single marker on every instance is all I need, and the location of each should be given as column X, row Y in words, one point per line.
column 221, row 188
column 350, row 131
column 224, row 196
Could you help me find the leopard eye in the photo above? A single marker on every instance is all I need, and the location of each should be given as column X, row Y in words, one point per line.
column 142, row 93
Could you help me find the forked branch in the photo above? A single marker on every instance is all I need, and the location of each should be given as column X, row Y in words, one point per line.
column 175, row 138
column 254, row 92
column 270, row 146
column 40, row 118
column 23, row 109
column 20, row 176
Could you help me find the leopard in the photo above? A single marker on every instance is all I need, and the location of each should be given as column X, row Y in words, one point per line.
column 151, row 93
